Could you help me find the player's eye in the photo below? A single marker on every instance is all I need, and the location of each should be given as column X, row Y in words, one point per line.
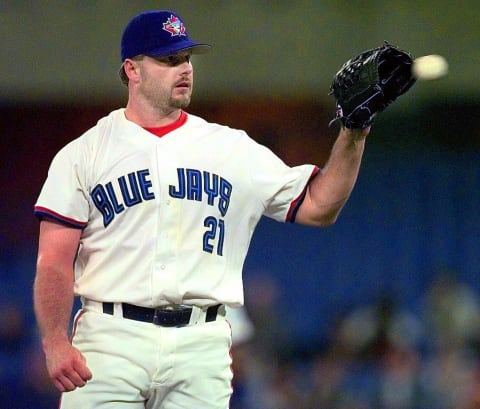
column 174, row 59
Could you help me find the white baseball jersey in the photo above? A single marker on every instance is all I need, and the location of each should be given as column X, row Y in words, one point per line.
column 167, row 220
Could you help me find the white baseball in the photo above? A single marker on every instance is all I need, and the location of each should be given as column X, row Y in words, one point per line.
column 429, row 67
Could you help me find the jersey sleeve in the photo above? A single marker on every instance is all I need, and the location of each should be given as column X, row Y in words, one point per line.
column 281, row 188
column 63, row 196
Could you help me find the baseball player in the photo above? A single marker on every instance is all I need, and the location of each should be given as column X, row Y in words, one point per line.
column 147, row 217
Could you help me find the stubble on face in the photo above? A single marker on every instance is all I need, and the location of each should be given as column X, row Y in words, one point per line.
column 180, row 102
column 165, row 97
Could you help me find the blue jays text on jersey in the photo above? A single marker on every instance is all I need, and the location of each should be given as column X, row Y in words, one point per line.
column 136, row 187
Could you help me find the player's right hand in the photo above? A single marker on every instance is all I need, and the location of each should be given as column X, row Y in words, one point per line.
column 66, row 366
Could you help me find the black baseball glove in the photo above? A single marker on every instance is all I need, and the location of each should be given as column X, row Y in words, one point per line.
column 368, row 83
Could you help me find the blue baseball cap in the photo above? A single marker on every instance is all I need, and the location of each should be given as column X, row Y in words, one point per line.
column 157, row 33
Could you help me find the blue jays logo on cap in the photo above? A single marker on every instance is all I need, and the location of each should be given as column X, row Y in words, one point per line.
column 174, row 26
column 157, row 33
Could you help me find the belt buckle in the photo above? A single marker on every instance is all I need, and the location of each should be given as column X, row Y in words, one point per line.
column 172, row 316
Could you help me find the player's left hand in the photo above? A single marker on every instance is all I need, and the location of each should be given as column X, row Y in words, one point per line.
column 366, row 84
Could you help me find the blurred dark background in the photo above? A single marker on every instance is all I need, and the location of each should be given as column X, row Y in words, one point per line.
column 379, row 311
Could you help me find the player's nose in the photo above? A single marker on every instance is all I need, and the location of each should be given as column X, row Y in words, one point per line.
column 186, row 66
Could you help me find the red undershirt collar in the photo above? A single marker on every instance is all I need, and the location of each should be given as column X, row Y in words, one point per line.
column 163, row 130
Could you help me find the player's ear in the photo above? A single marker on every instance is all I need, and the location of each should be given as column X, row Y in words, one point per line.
column 123, row 75
column 130, row 68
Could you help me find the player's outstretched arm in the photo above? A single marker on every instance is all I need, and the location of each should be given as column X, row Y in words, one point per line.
column 331, row 188
column 53, row 301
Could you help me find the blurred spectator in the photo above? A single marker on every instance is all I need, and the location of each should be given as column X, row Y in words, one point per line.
column 451, row 366
column 399, row 382
column 372, row 361
column 449, row 378
column 373, row 329
column 13, row 328
column 452, row 312
column 263, row 297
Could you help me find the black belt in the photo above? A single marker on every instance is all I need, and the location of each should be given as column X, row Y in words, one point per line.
column 178, row 317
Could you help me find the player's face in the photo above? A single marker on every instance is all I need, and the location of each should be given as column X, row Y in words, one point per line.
column 166, row 82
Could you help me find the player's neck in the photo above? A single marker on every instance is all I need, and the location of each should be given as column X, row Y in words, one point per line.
column 149, row 118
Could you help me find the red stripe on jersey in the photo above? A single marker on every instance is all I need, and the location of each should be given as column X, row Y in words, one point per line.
column 295, row 205
column 44, row 213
